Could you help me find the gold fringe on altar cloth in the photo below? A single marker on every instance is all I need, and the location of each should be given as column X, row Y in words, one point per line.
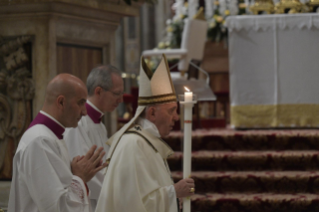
column 268, row 116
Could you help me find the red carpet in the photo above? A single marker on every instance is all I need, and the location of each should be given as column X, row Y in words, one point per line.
column 251, row 171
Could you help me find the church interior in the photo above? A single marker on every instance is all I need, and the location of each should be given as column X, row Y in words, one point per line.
column 252, row 66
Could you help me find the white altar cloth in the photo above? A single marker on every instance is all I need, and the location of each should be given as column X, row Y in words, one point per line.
column 274, row 70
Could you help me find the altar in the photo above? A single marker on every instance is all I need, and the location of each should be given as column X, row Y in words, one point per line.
column 274, row 71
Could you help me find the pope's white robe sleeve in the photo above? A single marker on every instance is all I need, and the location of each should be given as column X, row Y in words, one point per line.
column 171, row 194
column 136, row 180
column 44, row 181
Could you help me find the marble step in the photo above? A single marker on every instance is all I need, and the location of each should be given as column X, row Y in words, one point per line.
column 231, row 140
column 280, row 182
column 260, row 202
column 248, row 160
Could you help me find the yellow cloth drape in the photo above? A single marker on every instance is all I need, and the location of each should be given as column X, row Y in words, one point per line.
column 285, row 115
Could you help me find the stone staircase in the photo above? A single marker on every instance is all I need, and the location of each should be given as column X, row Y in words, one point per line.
column 251, row 171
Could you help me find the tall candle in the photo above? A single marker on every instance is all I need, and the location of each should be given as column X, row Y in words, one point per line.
column 187, row 153
column 188, row 95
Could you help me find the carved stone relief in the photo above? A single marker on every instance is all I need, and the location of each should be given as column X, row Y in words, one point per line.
column 16, row 93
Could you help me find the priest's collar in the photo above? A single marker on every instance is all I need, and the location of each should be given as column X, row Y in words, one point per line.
column 93, row 112
column 43, row 118
column 148, row 126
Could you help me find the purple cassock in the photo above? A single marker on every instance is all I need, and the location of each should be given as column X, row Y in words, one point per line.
column 41, row 118
column 95, row 115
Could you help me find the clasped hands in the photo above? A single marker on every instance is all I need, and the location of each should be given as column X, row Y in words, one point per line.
column 88, row 165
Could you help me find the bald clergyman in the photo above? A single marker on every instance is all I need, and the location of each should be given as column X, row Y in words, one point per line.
column 44, row 177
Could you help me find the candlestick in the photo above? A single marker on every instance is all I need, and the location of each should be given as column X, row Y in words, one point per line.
column 187, row 153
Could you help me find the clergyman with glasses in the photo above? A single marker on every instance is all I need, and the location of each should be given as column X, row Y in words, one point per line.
column 105, row 92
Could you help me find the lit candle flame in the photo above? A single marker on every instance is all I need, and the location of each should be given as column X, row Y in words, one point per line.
column 186, row 89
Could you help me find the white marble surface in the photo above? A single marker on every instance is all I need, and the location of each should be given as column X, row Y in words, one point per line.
column 4, row 193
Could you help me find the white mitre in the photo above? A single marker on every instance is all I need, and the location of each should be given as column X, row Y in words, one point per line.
column 155, row 88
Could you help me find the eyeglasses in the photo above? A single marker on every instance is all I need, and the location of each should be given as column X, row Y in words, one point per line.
column 117, row 94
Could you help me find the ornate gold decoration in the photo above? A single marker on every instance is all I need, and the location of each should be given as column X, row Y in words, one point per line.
column 242, row 5
column 156, row 99
column 313, row 5
column 261, row 6
column 289, row 6
column 265, row 116
column 313, row 2
column 16, row 93
column 200, row 15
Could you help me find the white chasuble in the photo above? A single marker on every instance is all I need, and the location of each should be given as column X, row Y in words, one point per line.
column 42, row 177
column 138, row 178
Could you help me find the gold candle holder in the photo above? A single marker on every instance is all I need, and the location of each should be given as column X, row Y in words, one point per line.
column 288, row 6
column 261, row 6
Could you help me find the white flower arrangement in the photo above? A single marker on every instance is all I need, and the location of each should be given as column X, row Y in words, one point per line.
column 218, row 12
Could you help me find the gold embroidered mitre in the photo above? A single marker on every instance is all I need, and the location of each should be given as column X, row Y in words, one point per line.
column 157, row 87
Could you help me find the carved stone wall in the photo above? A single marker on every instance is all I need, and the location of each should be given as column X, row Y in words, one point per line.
column 42, row 25
column 90, row 23
column 16, row 93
